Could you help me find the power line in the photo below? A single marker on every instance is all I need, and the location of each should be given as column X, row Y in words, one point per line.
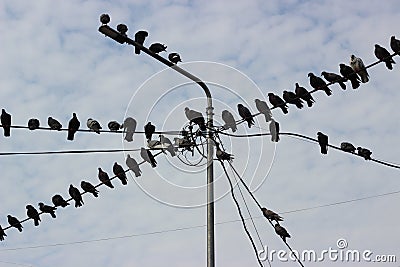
column 69, row 152
column 392, row 165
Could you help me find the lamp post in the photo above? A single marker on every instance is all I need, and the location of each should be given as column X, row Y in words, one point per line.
column 121, row 37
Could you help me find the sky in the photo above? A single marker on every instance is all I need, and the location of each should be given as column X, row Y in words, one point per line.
column 55, row 62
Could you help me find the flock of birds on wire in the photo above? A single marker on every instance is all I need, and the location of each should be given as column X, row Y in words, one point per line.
column 355, row 73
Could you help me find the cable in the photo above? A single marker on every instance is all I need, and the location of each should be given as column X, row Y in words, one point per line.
column 397, row 166
column 240, row 214
column 198, row 226
column 68, row 152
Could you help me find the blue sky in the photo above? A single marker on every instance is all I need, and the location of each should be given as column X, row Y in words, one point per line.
column 55, row 62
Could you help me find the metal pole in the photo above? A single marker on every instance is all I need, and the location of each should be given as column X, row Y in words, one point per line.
column 115, row 35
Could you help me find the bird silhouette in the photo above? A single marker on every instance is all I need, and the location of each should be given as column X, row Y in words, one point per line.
column 318, row 84
column 334, row 78
column 120, row 173
column 129, row 126
column 14, row 222
column 270, row 215
column 88, row 187
column 149, row 129
column 282, row 232
column 382, row 54
column 323, row 142
column 304, row 94
column 395, row 45
column 2, row 234
column 277, row 102
column 47, row 209
column 196, row 118
column 93, row 125
column 358, row 66
column 229, row 121
column 133, row 166
column 347, row 147
column 264, row 109
column 349, row 74
column 76, row 195
column 157, row 48
column 246, row 115
column 59, row 201
column 114, row 126
column 174, row 58
column 274, row 130
column 5, row 119
column 293, row 99
column 54, row 124
column 33, row 124
column 73, row 126
column 104, row 178
column 33, row 214
column 148, row 157
column 140, row 37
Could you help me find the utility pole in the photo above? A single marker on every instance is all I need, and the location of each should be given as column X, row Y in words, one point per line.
column 122, row 38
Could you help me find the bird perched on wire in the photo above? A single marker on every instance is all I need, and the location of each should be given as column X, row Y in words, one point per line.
column 88, row 187
column 174, row 58
column 246, row 115
column 33, row 214
column 349, row 74
column 140, row 36
column 293, row 99
column 120, row 173
column 323, row 142
column 133, row 166
column 5, row 119
column 222, row 155
column 47, row 209
column 73, row 126
column 347, row 147
column 149, row 129
column 114, row 126
column 277, row 102
column 318, row 84
column 54, row 124
column 395, row 45
column 148, row 157
column 274, row 130
column 382, row 54
column 364, row 152
column 59, row 201
column 2, row 234
column 76, row 195
column 282, row 232
column 334, row 78
column 33, row 124
column 263, row 108
column 196, row 118
column 165, row 142
column 104, row 178
column 358, row 66
column 304, row 94
column 14, row 222
column 229, row 121
column 183, row 143
column 157, row 48
column 93, row 125
column 270, row 215
column 129, row 126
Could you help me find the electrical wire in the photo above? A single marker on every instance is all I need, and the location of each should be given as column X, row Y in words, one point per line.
column 241, row 215
column 68, row 152
column 392, row 165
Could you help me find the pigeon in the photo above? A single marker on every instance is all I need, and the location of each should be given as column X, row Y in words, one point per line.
column 349, row 74
column 93, row 125
column 363, row 152
column 263, row 108
column 149, row 129
column 33, row 214
column 59, row 201
column 183, row 143
column 104, row 19
column 323, row 142
column 270, row 215
column 281, row 232
column 382, row 54
column 277, row 102
column 2, row 234
column 358, row 66
column 274, row 130
column 347, row 147
column 88, row 187
column 104, row 178
column 5, row 119
column 148, row 157
column 395, row 44
column 54, row 124
column 76, row 195
column 114, row 126
column 174, row 58
column 140, row 36
column 122, row 29
column 133, row 166
column 304, row 94
column 33, row 124
column 157, row 48
column 222, row 155
column 292, row 98
column 318, row 84
column 14, row 222
column 47, row 209
column 165, row 142
column 229, row 120
column 334, row 78
column 154, row 144
column 120, row 173
column 245, row 114
column 73, row 126
column 196, row 118
column 129, row 126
